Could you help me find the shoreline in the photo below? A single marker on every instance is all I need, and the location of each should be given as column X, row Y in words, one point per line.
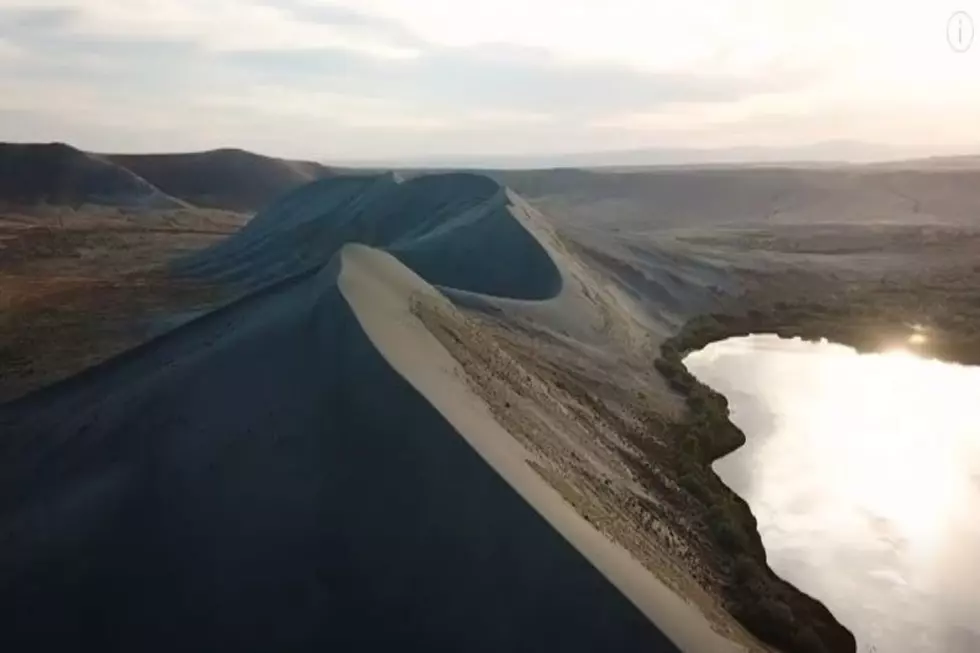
column 869, row 318
column 771, row 608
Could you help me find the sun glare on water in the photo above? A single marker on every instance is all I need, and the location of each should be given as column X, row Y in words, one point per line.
column 894, row 433
column 918, row 339
column 863, row 471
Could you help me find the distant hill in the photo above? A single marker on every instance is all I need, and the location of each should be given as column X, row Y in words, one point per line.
column 56, row 173
column 243, row 181
column 808, row 155
column 223, row 179
column 936, row 163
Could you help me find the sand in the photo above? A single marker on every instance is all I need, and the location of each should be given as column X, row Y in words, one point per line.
column 309, row 467
column 416, row 354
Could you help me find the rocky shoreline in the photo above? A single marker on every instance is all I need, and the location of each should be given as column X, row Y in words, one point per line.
column 769, row 607
column 869, row 317
column 697, row 534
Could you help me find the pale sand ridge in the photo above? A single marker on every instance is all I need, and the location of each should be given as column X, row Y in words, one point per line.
column 379, row 291
column 307, row 467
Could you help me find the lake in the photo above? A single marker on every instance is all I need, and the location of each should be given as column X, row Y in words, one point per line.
column 863, row 471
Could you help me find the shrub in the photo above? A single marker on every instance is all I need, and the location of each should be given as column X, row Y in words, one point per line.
column 694, row 485
column 725, row 531
column 746, row 570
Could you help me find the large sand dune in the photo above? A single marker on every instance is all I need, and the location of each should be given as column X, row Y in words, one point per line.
column 454, row 230
column 308, row 467
column 476, row 240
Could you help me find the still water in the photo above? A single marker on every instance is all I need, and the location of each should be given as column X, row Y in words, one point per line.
column 863, row 471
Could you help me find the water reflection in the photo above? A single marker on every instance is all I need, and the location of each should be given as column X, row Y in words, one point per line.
column 864, row 474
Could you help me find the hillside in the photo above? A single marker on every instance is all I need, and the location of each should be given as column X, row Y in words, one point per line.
column 59, row 174
column 32, row 174
column 927, row 190
column 222, row 179
column 908, row 193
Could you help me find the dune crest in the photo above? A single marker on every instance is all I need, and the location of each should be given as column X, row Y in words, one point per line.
column 455, row 230
column 307, row 467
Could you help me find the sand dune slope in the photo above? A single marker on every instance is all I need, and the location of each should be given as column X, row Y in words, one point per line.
column 455, row 230
column 474, row 239
column 309, row 467
column 264, row 479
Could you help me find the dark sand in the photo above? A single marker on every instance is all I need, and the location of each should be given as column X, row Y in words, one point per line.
column 306, row 468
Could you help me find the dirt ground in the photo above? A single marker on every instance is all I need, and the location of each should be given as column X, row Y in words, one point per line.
column 80, row 285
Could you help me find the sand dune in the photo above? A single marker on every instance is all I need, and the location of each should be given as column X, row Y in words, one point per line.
column 307, row 467
column 476, row 240
column 454, row 230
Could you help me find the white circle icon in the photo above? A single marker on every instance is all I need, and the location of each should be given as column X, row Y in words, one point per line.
column 959, row 31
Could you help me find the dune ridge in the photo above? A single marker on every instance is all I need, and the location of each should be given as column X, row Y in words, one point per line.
column 305, row 467
column 476, row 240
column 269, row 504
column 455, row 230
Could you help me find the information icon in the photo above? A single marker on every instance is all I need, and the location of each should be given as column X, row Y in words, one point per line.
column 959, row 31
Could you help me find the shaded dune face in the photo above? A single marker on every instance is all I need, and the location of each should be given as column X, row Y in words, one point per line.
column 455, row 230
column 282, row 490
column 262, row 479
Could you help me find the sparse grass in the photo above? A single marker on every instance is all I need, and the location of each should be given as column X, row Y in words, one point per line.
column 768, row 607
column 74, row 295
column 61, row 331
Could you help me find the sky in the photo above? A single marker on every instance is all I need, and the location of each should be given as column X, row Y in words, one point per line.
column 374, row 79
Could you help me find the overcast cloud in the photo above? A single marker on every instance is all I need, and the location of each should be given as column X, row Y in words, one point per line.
column 348, row 79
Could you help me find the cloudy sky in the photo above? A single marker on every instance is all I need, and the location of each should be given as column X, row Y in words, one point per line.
column 362, row 79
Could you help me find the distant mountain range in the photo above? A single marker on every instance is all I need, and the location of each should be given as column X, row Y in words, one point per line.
column 838, row 152
column 232, row 179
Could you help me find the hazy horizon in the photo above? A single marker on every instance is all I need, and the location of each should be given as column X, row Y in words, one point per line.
column 391, row 80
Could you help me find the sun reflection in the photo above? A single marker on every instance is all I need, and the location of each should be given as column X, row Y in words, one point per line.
column 892, row 433
column 918, row 336
column 898, row 351
column 918, row 339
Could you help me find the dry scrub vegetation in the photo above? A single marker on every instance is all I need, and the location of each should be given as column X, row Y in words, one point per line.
column 78, row 286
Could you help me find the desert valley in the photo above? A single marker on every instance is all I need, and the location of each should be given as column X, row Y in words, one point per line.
column 275, row 403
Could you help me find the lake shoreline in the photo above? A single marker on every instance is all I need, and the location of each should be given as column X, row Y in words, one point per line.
column 768, row 606
column 870, row 319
